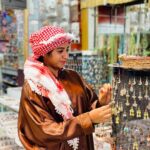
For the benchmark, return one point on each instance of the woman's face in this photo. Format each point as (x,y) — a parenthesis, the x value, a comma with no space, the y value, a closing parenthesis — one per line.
(58,57)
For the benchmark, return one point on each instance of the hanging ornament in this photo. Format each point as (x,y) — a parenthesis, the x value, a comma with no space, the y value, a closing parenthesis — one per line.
(138,113)
(140,95)
(146,94)
(146,81)
(135,145)
(140,82)
(127,101)
(134,82)
(131,112)
(146,116)
(134,104)
(117,119)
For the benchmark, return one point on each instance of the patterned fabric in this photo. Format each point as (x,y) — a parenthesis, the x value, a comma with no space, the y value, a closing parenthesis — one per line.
(47,39)
(44,83)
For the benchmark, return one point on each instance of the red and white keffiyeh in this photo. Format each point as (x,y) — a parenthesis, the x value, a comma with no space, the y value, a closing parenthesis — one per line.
(44,83)
(47,39)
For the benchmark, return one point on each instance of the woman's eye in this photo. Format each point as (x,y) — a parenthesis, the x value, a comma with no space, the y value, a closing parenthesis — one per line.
(60,51)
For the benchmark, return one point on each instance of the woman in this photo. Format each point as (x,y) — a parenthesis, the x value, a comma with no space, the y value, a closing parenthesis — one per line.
(58,109)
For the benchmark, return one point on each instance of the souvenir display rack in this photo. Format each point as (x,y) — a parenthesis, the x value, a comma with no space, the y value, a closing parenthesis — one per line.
(13,58)
(131,111)
(102,136)
(9,126)
(9,107)
(7,143)
(90,65)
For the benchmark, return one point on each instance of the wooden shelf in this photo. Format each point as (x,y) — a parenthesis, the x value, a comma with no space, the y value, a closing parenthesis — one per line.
(129,68)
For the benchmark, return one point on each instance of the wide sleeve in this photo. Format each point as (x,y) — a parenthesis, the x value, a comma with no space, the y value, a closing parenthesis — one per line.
(36,119)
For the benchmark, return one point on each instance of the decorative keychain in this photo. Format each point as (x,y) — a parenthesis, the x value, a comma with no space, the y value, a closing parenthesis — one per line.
(146,116)
(119,79)
(134,104)
(140,95)
(135,145)
(114,111)
(140,82)
(131,112)
(124,114)
(134,82)
(133,96)
(117,119)
(148,140)
(129,82)
(146,93)
(123,91)
(120,108)
(138,113)
(148,106)
(127,101)
(146,81)
(126,129)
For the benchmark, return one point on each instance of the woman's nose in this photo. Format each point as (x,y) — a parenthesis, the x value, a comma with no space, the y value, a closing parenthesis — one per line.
(65,55)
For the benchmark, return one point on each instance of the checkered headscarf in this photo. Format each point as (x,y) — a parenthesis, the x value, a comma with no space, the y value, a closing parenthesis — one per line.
(47,39)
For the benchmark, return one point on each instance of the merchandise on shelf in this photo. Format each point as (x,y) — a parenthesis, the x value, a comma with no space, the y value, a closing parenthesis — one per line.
(131,111)
(134,135)
(102,136)
(9,125)
(110,46)
(90,65)
(11,100)
(138,30)
(7,143)
(138,18)
(10,78)
(75,29)
(12,35)
(9,107)
(74,11)
(50,12)
(138,44)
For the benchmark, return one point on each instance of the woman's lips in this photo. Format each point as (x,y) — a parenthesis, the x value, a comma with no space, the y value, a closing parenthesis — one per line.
(63,62)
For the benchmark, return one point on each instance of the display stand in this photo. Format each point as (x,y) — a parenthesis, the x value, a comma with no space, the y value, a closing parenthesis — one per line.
(11,44)
(131,111)
(90,65)
(9,140)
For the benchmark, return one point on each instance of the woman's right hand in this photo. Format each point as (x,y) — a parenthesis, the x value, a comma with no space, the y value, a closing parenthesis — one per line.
(101,115)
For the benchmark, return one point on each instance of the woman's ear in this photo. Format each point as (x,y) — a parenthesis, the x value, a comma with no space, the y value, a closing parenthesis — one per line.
(46,58)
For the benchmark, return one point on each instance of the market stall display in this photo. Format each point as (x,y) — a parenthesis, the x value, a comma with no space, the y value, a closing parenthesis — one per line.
(90,65)
(131,111)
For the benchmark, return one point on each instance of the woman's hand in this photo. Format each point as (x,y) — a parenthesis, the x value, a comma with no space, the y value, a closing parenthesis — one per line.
(101,115)
(105,94)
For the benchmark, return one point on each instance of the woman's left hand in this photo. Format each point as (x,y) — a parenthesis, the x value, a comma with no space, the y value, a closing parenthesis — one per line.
(105,94)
